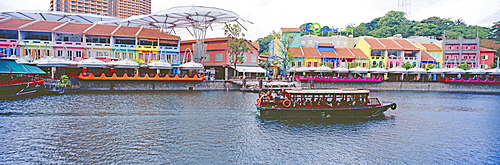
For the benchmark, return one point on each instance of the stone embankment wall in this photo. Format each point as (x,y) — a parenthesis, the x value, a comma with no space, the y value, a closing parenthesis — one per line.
(227,85)
(154,85)
(412,86)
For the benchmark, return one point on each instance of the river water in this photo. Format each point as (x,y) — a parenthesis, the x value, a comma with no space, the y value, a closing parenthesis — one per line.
(221,127)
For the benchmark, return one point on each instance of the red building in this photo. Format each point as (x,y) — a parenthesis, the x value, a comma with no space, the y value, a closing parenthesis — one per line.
(216,59)
(487,57)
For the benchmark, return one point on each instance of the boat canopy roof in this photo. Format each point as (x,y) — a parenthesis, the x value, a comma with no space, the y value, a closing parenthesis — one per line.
(328,91)
(10,66)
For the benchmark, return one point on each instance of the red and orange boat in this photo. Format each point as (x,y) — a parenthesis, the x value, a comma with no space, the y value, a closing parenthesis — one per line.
(136,77)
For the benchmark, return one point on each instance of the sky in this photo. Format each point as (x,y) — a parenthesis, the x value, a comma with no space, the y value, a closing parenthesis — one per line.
(271,15)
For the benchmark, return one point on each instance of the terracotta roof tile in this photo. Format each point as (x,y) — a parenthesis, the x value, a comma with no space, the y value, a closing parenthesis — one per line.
(295,52)
(14,24)
(358,53)
(431,47)
(100,29)
(486,50)
(310,52)
(325,44)
(77,28)
(156,33)
(328,54)
(290,29)
(43,26)
(350,53)
(344,53)
(426,56)
(390,44)
(126,31)
(256,45)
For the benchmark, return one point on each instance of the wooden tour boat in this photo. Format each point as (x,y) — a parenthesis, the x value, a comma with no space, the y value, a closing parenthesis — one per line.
(320,103)
(18,79)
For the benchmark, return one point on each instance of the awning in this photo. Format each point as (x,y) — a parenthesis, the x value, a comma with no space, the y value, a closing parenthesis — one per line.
(250,69)
(33,69)
(10,66)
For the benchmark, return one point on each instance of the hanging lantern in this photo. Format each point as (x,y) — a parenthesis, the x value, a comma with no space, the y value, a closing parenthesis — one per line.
(112,70)
(84,70)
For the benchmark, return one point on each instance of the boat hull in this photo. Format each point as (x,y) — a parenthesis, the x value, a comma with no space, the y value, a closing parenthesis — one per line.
(18,89)
(324,112)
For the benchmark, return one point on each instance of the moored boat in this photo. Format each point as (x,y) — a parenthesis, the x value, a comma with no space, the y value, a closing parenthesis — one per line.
(18,79)
(321,103)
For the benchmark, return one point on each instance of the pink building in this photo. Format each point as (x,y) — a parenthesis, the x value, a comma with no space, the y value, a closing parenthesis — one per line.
(68,41)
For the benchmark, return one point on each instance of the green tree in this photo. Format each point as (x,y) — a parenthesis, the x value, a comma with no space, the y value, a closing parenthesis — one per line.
(237,44)
(394,22)
(430,66)
(283,42)
(464,66)
(407,65)
(495,30)
(264,44)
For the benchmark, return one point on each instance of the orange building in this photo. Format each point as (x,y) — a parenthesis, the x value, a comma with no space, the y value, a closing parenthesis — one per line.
(115,8)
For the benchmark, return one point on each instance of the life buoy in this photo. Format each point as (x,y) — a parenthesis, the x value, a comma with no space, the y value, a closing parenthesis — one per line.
(394,106)
(259,101)
(287,103)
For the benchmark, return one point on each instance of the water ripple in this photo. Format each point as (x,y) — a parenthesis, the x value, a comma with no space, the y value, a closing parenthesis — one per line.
(219,127)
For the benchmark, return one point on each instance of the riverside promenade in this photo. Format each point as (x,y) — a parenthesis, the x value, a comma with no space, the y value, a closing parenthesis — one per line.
(237,85)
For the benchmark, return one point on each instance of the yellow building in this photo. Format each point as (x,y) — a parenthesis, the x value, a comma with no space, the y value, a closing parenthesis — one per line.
(435,51)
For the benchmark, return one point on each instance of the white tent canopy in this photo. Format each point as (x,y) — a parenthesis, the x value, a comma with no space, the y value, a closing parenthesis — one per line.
(250,69)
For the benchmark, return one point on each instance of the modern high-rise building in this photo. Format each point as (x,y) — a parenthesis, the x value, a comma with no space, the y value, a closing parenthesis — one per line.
(115,8)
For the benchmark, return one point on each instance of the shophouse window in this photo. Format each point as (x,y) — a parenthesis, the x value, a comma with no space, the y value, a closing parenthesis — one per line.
(78,53)
(244,59)
(207,57)
(60,53)
(378,52)
(484,57)
(254,58)
(218,57)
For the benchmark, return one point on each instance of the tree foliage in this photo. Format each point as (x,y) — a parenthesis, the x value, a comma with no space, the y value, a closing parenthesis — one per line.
(394,22)
(283,41)
(237,44)
(264,44)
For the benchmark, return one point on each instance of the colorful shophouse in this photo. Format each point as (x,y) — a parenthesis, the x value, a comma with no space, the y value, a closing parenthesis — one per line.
(388,52)
(9,37)
(327,53)
(432,55)
(487,57)
(124,43)
(35,39)
(217,60)
(466,50)
(98,41)
(68,41)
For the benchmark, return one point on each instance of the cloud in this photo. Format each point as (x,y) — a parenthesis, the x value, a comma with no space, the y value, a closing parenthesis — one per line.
(269,15)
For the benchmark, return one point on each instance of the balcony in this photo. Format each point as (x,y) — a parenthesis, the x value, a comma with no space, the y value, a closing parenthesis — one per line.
(124,47)
(146,47)
(8,42)
(36,43)
(68,44)
(98,45)
(169,48)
